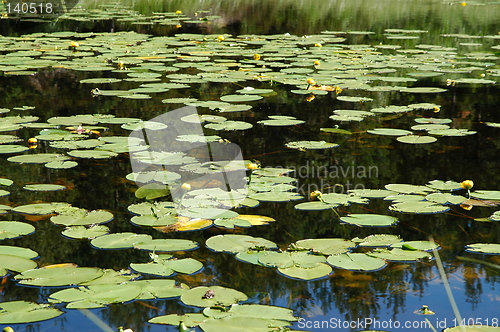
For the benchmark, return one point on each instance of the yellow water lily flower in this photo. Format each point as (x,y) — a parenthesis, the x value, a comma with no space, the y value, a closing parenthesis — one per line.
(32,140)
(253,166)
(310,98)
(467,184)
(178,26)
(74,44)
(186,186)
(315,194)
(464,4)
(220,38)
(311,81)
(436,109)
(317,63)
(178,12)
(256,56)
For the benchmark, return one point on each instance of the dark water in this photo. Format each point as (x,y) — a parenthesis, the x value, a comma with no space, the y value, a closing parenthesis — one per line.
(345,301)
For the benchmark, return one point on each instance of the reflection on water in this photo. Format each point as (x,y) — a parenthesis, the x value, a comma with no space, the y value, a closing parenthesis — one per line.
(346,300)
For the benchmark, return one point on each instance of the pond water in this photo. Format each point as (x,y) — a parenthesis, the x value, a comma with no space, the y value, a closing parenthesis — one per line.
(397,96)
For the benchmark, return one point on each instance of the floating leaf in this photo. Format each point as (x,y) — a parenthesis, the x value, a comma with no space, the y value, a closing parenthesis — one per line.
(60,276)
(408,188)
(278,120)
(119,240)
(229,125)
(320,271)
(18,312)
(389,132)
(400,255)
(218,295)
(15,263)
(81,217)
(10,148)
(326,246)
(240,98)
(483,248)
(423,90)
(94,154)
(356,262)
(377,240)
(168,267)
(377,220)
(486,194)
(96,296)
(40,158)
(419,207)
(81,232)
(445,198)
(166,245)
(294,258)
(13,229)
(415,139)
(234,243)
(310,145)
(43,187)
(452,132)
(442,185)
(190,320)
(416,245)
(42,208)
(315,206)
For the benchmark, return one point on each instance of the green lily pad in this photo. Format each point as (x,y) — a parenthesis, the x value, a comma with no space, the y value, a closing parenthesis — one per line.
(43,187)
(356,262)
(377,240)
(4,193)
(452,132)
(10,148)
(416,245)
(42,208)
(389,132)
(189,320)
(483,248)
(14,229)
(40,158)
(6,182)
(15,263)
(400,255)
(354,99)
(445,198)
(96,296)
(486,194)
(408,188)
(82,232)
(392,109)
(377,220)
(336,131)
(433,120)
(419,207)
(95,154)
(304,145)
(210,296)
(326,246)
(444,185)
(229,125)
(60,276)
(234,243)
(154,221)
(416,139)
(279,120)
(119,240)
(61,164)
(288,259)
(166,245)
(295,272)
(276,196)
(81,217)
(240,98)
(423,90)
(18,312)
(316,206)
(168,267)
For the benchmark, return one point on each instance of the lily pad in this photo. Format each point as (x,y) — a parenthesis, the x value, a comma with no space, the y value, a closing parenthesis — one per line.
(483,248)
(240,98)
(419,207)
(294,258)
(210,296)
(356,262)
(377,240)
(119,240)
(81,232)
(389,132)
(168,267)
(326,246)
(40,158)
(15,263)
(416,245)
(14,229)
(423,90)
(10,148)
(486,194)
(229,125)
(18,312)
(94,154)
(43,187)
(304,145)
(58,276)
(234,243)
(166,245)
(377,220)
(81,217)
(320,271)
(400,255)
(416,139)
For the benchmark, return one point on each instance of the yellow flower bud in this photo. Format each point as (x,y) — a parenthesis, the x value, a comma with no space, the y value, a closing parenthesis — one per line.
(310,98)
(318,45)
(178,26)
(467,184)
(317,63)
(220,38)
(464,3)
(252,166)
(436,109)
(178,12)
(256,56)
(32,140)
(186,186)
(311,81)
(315,194)
(74,44)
